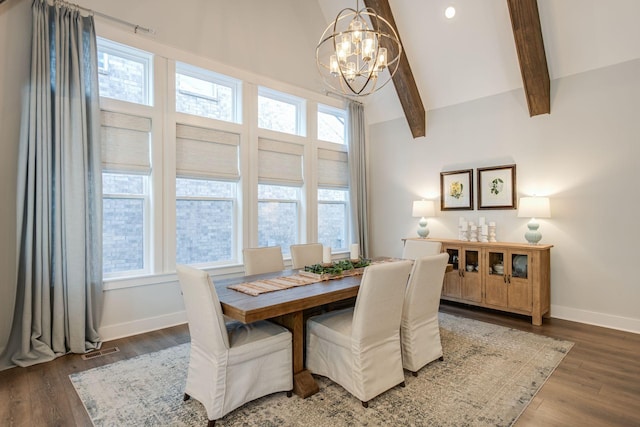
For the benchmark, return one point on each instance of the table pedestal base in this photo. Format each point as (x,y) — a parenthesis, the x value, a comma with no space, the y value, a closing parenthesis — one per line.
(304,385)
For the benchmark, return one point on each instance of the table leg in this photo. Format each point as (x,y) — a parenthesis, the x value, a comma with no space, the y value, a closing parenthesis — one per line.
(303,383)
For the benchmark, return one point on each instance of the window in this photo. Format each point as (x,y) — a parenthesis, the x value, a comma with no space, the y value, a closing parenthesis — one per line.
(281,112)
(124,73)
(278,216)
(332,124)
(333,196)
(126,167)
(193,212)
(333,218)
(124,206)
(206,195)
(205,221)
(207,94)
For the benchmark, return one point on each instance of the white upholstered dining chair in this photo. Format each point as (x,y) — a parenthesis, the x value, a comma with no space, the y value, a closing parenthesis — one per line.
(420,330)
(359,347)
(266,259)
(414,249)
(234,363)
(306,254)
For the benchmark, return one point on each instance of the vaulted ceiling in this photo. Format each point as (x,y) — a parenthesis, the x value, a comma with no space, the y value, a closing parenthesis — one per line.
(474,54)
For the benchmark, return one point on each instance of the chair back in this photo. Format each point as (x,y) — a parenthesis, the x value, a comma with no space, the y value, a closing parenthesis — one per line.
(204,312)
(378,308)
(262,260)
(414,249)
(306,254)
(422,297)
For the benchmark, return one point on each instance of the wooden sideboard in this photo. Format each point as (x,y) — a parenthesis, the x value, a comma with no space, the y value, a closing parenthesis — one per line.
(504,276)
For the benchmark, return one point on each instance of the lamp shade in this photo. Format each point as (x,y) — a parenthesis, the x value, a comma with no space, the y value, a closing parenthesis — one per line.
(423,209)
(534,207)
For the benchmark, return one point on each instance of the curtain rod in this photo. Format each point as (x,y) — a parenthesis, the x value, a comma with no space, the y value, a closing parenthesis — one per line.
(135,27)
(339,95)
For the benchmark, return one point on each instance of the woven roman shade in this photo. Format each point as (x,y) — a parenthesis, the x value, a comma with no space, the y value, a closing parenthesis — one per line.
(333,168)
(125,142)
(280,162)
(206,153)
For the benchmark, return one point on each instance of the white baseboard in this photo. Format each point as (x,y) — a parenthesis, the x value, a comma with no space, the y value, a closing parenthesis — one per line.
(627,324)
(121,330)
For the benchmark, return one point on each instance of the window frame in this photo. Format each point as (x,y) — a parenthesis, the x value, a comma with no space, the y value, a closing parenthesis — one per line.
(217,79)
(131,53)
(337,112)
(347,204)
(298,203)
(235,232)
(300,105)
(146,227)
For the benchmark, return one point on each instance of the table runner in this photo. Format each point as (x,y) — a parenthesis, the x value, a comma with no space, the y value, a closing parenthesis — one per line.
(258,287)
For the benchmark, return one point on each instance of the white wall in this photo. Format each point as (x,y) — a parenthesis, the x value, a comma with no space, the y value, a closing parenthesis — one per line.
(585,156)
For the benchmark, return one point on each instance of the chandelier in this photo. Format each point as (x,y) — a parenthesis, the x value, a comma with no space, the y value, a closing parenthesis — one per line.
(353,52)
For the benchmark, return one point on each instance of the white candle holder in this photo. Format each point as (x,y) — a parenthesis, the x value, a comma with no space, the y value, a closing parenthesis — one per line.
(492,232)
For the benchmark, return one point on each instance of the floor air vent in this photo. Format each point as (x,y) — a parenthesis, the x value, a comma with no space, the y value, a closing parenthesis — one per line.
(99,353)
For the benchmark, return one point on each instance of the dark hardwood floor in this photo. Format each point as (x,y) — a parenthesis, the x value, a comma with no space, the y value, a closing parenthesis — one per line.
(597,384)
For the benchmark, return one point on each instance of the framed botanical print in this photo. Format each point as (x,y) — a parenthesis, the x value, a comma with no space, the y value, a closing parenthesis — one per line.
(497,187)
(456,190)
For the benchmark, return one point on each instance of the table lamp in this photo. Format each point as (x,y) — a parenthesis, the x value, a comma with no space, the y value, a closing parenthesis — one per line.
(534,207)
(423,209)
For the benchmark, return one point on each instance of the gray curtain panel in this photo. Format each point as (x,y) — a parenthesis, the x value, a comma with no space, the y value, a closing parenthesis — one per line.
(357,176)
(59,285)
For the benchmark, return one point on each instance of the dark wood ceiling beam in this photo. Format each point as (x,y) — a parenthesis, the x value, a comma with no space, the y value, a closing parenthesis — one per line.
(403,79)
(527,33)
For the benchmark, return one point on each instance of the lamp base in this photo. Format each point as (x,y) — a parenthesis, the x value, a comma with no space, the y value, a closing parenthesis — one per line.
(423,231)
(533,236)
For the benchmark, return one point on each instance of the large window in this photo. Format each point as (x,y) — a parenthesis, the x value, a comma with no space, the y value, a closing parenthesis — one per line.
(207,94)
(179,165)
(124,73)
(125,205)
(206,195)
(333,218)
(281,112)
(205,221)
(332,124)
(278,216)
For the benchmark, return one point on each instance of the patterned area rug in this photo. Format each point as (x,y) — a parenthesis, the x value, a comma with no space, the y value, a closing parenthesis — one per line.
(489,376)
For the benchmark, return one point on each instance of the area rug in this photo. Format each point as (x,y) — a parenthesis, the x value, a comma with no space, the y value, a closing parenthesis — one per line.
(489,376)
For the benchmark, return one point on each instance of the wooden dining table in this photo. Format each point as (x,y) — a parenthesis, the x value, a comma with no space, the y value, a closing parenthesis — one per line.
(286,307)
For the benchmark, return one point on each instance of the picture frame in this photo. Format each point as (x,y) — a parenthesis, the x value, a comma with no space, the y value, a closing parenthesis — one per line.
(497,187)
(456,190)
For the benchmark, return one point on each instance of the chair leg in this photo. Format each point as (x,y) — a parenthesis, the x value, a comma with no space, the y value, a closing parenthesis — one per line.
(441,358)
(403,384)
(186,397)
(211,423)
(289,393)
(415,374)
(365,404)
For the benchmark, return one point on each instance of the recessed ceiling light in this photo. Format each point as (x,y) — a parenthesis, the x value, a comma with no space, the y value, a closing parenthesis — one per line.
(450,12)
